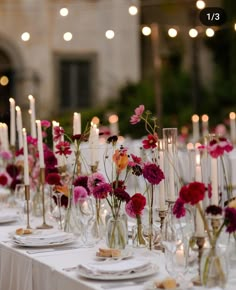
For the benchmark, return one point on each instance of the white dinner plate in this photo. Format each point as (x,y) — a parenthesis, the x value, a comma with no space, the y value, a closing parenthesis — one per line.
(108,277)
(36,240)
(125,254)
(8,219)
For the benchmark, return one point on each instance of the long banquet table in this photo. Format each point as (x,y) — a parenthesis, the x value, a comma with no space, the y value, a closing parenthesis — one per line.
(21,270)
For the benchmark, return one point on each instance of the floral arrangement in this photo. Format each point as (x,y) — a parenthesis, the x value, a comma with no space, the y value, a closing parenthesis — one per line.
(221,218)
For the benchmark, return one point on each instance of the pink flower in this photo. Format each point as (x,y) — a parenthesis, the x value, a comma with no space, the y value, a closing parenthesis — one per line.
(58,133)
(137,116)
(6,155)
(80,194)
(153,173)
(45,123)
(135,160)
(94,180)
(101,191)
(63,148)
(150,142)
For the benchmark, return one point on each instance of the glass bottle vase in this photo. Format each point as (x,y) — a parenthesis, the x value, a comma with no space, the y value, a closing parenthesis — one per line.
(116,232)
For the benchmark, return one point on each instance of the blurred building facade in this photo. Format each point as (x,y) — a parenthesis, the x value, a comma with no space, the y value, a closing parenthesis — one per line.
(66,75)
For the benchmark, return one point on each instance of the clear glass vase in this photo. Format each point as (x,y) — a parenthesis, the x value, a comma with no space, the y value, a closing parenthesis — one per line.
(117,232)
(214,268)
(138,235)
(37,202)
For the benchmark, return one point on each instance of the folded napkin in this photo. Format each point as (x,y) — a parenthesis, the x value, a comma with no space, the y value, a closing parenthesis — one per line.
(118,268)
(43,239)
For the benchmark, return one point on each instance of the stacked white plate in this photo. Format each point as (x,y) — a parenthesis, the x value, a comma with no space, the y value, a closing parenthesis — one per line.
(43,239)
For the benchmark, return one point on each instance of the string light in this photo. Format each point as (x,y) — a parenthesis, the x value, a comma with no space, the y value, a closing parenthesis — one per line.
(146,30)
(200,4)
(133,10)
(64,11)
(4,80)
(193,32)
(110,34)
(25,36)
(172,32)
(210,32)
(67,36)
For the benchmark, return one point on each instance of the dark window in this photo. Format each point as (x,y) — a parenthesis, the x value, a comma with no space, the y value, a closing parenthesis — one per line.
(75,83)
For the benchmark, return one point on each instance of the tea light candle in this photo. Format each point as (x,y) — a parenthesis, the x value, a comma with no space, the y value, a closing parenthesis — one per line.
(26,163)
(19,126)
(77,124)
(32,115)
(232,117)
(12,122)
(40,144)
(196,134)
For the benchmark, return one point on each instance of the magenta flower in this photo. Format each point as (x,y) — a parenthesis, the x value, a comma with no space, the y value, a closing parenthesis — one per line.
(58,133)
(45,123)
(137,116)
(101,191)
(153,173)
(80,194)
(230,219)
(179,209)
(94,180)
(150,142)
(135,160)
(63,148)
(31,140)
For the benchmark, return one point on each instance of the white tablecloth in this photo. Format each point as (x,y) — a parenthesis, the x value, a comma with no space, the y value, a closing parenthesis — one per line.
(20,270)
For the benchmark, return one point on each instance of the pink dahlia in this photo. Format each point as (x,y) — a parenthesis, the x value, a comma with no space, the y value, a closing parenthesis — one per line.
(80,194)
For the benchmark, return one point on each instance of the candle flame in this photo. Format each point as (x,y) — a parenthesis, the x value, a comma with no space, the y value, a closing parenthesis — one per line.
(12,101)
(205,118)
(232,115)
(30,97)
(18,108)
(113,119)
(190,146)
(195,118)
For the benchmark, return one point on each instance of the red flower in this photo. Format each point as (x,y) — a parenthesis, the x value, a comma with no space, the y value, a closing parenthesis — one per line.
(179,209)
(230,219)
(3,179)
(53,179)
(101,191)
(137,204)
(58,133)
(45,123)
(63,148)
(217,147)
(192,193)
(150,142)
(153,173)
(135,160)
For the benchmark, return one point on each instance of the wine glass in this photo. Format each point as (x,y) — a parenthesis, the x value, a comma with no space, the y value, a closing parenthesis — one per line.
(19,197)
(85,216)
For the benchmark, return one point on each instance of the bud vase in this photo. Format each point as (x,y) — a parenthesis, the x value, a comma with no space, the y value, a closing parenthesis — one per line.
(138,234)
(214,268)
(117,232)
